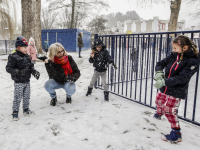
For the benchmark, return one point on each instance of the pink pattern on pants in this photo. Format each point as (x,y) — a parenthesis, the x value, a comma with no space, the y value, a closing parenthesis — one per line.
(168,106)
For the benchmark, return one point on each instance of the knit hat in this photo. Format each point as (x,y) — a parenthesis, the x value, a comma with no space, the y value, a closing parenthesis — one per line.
(21,41)
(98,42)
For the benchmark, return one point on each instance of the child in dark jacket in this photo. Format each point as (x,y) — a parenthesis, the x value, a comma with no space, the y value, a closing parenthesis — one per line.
(20,67)
(99,57)
(179,66)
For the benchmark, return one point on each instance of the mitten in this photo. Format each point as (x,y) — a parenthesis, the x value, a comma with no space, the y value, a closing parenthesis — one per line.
(41,57)
(36,74)
(159,84)
(159,75)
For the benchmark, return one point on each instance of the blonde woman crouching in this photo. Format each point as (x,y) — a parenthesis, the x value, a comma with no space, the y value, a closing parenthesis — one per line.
(62,70)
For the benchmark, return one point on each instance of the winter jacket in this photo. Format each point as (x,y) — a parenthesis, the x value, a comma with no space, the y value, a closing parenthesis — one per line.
(31,51)
(56,72)
(45,45)
(178,73)
(100,60)
(16,62)
(80,41)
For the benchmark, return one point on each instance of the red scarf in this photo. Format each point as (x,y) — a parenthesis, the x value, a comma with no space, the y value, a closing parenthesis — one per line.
(64,62)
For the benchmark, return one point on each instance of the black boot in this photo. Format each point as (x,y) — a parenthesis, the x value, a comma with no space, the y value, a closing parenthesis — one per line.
(53,101)
(89,91)
(69,100)
(106,95)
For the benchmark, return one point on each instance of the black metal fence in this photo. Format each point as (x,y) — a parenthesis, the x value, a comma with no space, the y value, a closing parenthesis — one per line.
(7,46)
(135,56)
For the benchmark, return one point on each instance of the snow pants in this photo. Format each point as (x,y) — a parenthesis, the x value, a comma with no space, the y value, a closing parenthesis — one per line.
(22,90)
(103,78)
(168,106)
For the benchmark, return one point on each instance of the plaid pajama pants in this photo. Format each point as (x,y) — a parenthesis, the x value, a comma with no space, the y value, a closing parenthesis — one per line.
(168,106)
(22,90)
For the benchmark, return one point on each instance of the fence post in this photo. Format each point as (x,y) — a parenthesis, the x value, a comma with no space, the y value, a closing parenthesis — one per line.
(112,55)
(95,36)
(6,46)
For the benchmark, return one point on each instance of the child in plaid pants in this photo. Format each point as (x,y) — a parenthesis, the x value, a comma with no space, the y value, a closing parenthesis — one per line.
(179,66)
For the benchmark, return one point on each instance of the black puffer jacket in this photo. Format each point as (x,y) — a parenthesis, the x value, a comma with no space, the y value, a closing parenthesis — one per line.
(56,72)
(178,73)
(100,60)
(18,61)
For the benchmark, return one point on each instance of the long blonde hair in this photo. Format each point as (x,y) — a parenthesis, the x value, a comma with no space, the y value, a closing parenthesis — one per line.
(53,49)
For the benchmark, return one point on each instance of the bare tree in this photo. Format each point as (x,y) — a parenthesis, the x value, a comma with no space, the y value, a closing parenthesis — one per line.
(97,25)
(8,18)
(196,13)
(74,4)
(48,19)
(37,25)
(27,18)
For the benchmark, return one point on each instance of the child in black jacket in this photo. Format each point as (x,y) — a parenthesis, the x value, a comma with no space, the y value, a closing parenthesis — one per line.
(20,67)
(99,57)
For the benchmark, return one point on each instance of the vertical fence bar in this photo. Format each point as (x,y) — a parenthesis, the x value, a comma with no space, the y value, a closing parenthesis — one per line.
(138,42)
(119,63)
(112,55)
(132,68)
(147,75)
(6,46)
(123,63)
(141,66)
(115,60)
(127,58)
(160,47)
(153,69)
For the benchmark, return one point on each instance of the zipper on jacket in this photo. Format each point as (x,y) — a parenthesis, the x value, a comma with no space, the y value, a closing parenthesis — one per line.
(171,71)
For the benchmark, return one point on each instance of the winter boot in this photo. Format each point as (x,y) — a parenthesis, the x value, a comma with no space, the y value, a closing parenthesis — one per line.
(174,137)
(27,112)
(15,116)
(53,101)
(156,116)
(89,91)
(69,100)
(106,95)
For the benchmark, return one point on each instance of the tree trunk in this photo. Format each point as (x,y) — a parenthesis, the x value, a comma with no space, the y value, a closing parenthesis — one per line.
(175,8)
(72,15)
(27,18)
(37,26)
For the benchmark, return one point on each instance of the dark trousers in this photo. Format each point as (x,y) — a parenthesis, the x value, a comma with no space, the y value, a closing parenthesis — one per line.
(80,51)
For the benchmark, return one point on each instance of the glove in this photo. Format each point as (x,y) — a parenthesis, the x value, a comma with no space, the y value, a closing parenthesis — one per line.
(41,57)
(70,78)
(21,72)
(113,64)
(159,84)
(36,74)
(159,75)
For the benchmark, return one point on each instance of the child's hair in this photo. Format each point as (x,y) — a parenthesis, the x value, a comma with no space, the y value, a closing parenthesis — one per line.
(183,41)
(53,49)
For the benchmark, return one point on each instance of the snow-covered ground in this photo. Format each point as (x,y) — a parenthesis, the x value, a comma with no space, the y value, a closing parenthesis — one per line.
(88,123)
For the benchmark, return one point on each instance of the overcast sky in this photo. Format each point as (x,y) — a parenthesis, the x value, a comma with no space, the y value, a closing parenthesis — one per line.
(160,10)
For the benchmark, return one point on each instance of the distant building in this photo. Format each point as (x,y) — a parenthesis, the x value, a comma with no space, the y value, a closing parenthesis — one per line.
(145,26)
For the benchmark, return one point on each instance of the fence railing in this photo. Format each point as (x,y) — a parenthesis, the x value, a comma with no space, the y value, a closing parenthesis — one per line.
(7,46)
(136,56)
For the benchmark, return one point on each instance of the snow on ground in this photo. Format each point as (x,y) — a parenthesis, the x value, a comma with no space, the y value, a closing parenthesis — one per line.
(88,123)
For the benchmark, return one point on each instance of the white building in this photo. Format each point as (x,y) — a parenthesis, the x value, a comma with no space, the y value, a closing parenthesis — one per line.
(146,26)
